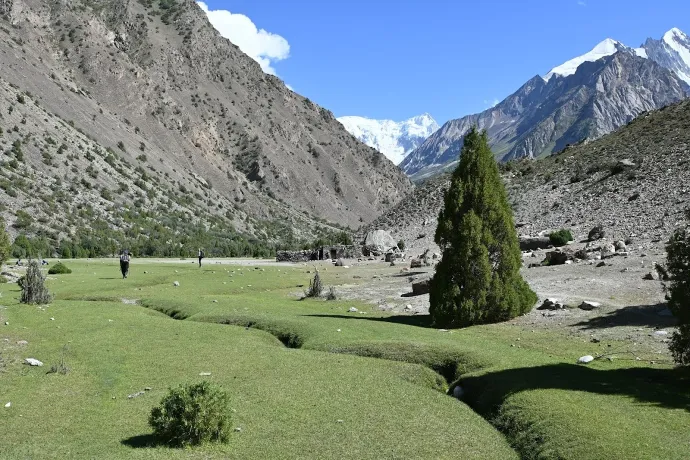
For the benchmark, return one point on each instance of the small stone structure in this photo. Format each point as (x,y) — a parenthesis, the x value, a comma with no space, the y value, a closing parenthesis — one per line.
(339,251)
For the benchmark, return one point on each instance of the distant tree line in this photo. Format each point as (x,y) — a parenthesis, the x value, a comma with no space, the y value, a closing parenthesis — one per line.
(152,239)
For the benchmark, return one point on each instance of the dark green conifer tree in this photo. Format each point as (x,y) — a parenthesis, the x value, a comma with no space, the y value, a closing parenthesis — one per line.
(478,279)
(678,260)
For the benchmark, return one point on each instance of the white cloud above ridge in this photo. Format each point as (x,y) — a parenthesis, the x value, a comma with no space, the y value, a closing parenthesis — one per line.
(264,47)
(489,104)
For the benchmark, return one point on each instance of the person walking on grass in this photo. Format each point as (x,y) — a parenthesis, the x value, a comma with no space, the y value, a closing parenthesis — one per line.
(124,263)
(201,256)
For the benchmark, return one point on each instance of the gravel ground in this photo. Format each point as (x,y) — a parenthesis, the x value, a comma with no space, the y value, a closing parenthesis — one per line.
(631,320)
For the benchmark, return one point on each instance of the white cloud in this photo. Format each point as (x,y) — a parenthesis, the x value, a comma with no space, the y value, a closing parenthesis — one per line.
(264,47)
(582,3)
(490,104)
(290,87)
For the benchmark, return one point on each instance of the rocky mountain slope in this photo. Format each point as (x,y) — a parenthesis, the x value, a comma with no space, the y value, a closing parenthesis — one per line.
(394,139)
(582,99)
(141,107)
(634,182)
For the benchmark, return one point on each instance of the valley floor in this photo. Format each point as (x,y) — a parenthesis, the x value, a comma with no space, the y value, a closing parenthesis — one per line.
(328,379)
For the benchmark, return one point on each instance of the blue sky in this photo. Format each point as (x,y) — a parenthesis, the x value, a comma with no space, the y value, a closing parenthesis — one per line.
(397,59)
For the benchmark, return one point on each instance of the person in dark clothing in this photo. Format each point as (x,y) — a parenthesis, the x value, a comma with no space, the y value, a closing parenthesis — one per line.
(201,256)
(124,263)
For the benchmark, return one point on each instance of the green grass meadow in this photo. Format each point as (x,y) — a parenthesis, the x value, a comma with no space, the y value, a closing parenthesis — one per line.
(308,379)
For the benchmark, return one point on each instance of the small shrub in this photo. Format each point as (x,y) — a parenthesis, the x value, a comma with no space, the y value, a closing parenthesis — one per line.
(401,245)
(33,286)
(59,269)
(332,295)
(315,287)
(560,237)
(191,415)
(3,280)
(60,367)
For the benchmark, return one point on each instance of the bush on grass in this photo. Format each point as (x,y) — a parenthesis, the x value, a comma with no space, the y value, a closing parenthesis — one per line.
(59,269)
(33,286)
(191,415)
(315,287)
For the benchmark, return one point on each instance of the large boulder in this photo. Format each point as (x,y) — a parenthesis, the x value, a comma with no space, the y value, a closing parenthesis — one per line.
(596,233)
(558,257)
(379,242)
(421,287)
(534,243)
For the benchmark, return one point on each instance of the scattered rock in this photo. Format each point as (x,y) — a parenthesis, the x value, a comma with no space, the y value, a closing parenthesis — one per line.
(558,257)
(589,305)
(22,342)
(582,254)
(551,304)
(596,233)
(204,374)
(608,250)
(33,362)
(421,287)
(339,263)
(238,429)
(660,333)
(176,283)
(458,392)
(620,246)
(135,395)
(601,264)
(534,243)
(415,263)
(353,310)
(9,404)
(651,276)
(585,359)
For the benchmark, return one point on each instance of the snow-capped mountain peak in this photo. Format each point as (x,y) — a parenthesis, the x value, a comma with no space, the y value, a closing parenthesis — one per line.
(603,49)
(678,44)
(394,139)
